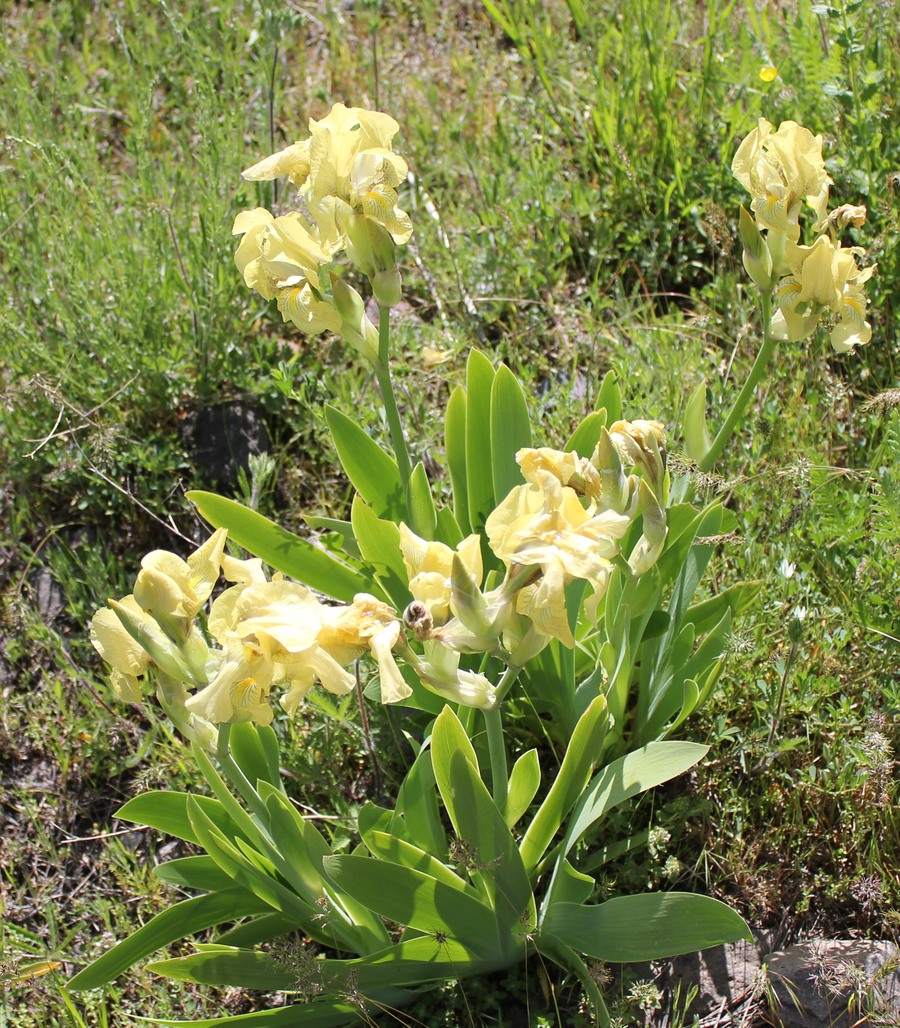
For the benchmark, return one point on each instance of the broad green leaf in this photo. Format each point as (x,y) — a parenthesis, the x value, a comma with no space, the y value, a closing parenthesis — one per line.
(420,502)
(258,929)
(317,1014)
(386,846)
(550,947)
(704,615)
(585,438)
(584,750)
(301,846)
(448,530)
(523,785)
(697,440)
(510,431)
(373,818)
(229,967)
(177,922)
(248,828)
(412,898)
(626,777)
(571,886)
(657,624)
(281,549)
(455,448)
(448,737)
(479,474)
(662,695)
(371,470)
(250,873)
(685,525)
(497,864)
(651,926)
(254,748)
(614,850)
(417,807)
(201,873)
(379,543)
(425,958)
(691,696)
(610,397)
(167,812)
(337,527)
(298,856)
(493,860)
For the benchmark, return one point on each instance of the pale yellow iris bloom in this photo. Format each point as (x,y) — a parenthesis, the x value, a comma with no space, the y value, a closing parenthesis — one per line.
(269,632)
(240,687)
(643,444)
(544,525)
(128,659)
(824,277)
(780,170)
(572,470)
(155,625)
(367,624)
(346,166)
(440,672)
(429,566)
(282,259)
(174,590)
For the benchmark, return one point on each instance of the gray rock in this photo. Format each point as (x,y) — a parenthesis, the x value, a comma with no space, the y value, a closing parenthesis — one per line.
(713,982)
(49,597)
(221,439)
(836,983)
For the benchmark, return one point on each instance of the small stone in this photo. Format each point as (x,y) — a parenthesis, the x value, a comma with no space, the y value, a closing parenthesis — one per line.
(221,439)
(723,978)
(48,595)
(835,983)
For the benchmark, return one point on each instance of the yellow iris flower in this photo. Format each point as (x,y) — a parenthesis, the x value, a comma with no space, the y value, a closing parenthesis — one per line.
(429,567)
(780,169)
(544,525)
(174,590)
(269,632)
(572,470)
(282,259)
(128,659)
(367,624)
(346,166)
(824,276)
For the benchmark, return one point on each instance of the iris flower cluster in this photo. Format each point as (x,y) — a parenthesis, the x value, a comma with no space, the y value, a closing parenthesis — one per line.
(346,176)
(784,172)
(567,521)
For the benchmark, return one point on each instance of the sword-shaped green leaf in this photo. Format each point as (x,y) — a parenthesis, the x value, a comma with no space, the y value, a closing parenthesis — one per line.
(281,549)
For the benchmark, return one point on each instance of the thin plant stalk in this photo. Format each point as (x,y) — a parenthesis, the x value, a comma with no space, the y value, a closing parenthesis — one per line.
(493,722)
(740,404)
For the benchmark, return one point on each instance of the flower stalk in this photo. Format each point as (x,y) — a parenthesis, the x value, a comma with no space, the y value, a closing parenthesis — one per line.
(738,408)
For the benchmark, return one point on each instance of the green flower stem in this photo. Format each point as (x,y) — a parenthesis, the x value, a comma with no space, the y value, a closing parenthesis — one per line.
(386,385)
(744,396)
(493,722)
(236,776)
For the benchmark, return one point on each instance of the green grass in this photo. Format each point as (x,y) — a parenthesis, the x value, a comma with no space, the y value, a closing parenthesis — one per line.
(574,212)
